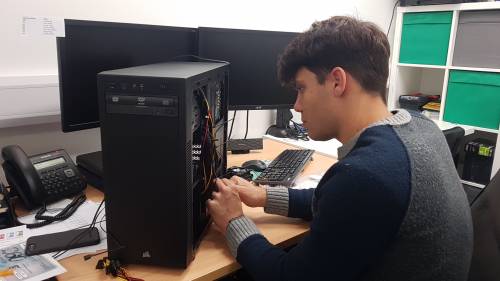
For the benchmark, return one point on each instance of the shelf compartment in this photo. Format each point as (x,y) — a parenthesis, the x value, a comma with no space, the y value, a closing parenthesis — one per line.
(425,38)
(475,43)
(428,81)
(473,98)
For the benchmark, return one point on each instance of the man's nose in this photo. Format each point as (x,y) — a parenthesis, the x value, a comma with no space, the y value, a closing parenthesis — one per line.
(297,106)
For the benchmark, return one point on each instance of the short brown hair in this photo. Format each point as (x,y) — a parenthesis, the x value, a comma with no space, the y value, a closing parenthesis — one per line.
(359,47)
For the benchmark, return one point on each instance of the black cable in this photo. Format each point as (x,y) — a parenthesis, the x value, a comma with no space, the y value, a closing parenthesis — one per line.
(298,131)
(246,130)
(87,257)
(100,224)
(69,210)
(79,236)
(76,201)
(220,126)
(86,225)
(392,17)
(232,123)
(212,150)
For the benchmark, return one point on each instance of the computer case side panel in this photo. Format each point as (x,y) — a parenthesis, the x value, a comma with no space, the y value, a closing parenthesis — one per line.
(209,94)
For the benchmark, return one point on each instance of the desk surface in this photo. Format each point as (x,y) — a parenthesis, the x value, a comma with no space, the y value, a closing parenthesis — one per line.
(327,148)
(212,259)
(330,147)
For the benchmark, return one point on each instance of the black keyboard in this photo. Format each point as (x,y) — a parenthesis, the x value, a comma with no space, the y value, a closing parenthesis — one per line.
(285,167)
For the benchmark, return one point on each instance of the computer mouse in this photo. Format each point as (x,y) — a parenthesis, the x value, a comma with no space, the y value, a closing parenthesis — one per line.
(255,165)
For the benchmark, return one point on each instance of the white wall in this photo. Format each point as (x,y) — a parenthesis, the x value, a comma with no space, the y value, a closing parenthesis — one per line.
(25,55)
(28,57)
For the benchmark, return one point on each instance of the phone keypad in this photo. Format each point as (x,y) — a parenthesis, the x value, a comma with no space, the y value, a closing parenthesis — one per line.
(61,181)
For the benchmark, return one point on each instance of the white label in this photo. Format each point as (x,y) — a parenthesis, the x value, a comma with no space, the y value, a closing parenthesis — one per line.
(36,26)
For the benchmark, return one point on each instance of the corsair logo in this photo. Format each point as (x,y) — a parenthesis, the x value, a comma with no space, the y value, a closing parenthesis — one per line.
(146,254)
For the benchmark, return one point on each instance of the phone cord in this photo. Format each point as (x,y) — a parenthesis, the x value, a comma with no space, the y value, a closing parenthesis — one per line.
(69,210)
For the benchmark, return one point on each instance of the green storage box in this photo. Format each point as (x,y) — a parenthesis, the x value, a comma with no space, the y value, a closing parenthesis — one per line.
(473,98)
(425,38)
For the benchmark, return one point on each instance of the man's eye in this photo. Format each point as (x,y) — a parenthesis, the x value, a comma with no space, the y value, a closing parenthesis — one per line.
(299,89)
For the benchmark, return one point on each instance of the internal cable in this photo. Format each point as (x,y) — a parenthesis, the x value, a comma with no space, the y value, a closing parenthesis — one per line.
(221,126)
(211,146)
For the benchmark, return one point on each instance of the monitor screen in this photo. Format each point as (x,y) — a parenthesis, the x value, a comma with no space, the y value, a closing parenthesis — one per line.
(90,47)
(253,81)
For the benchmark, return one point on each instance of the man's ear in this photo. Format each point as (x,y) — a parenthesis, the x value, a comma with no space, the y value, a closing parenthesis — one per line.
(338,80)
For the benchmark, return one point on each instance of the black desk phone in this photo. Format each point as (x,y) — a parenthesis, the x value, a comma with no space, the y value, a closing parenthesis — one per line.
(43,178)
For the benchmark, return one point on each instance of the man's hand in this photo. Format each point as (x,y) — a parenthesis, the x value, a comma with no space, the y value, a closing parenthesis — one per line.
(250,194)
(224,206)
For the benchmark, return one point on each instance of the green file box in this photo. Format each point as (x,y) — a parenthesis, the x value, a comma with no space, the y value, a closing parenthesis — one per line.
(425,38)
(473,98)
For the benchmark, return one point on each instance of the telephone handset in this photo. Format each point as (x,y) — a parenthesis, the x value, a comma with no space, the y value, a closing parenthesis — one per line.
(42,178)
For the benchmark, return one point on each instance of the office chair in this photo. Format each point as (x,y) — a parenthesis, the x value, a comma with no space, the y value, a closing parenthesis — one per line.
(453,137)
(485,210)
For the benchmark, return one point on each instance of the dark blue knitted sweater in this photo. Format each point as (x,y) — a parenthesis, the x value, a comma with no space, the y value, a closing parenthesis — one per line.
(392,209)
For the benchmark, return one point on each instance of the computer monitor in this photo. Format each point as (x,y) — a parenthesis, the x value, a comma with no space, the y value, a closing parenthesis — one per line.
(90,47)
(253,81)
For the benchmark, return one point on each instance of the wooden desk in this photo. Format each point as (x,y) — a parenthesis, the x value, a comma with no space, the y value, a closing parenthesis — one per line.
(212,259)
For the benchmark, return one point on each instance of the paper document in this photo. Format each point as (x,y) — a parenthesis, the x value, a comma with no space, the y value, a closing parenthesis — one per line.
(26,268)
(305,182)
(12,245)
(80,219)
(37,26)
(13,235)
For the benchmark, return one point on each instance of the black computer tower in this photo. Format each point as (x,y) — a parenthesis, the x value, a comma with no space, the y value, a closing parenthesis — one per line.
(163,129)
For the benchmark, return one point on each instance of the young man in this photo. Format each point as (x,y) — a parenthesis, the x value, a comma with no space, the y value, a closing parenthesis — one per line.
(391,208)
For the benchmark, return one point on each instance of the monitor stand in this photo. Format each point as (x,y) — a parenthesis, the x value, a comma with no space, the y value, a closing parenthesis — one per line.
(90,165)
(281,129)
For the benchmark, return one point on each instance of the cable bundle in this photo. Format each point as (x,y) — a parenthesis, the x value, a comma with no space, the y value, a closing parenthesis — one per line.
(115,268)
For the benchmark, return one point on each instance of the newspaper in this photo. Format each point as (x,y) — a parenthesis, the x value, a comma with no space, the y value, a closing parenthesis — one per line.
(28,268)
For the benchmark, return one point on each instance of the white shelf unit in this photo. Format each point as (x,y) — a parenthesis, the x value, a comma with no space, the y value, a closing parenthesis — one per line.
(408,78)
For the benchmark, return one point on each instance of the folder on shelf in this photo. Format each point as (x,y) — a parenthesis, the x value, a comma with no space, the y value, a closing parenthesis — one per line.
(432,106)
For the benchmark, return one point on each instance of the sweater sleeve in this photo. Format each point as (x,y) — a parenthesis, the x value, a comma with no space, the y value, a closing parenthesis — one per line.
(289,202)
(355,222)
